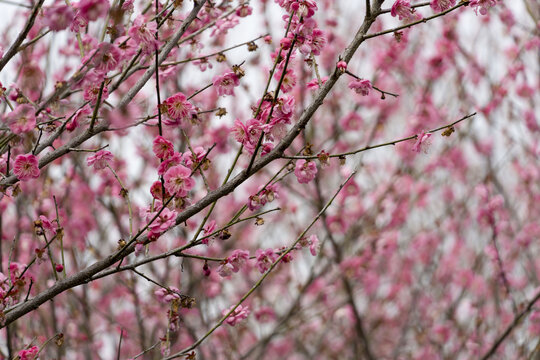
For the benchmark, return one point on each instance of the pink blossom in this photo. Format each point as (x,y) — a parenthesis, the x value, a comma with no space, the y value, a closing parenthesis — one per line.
(441,5)
(226,83)
(28,354)
(107,58)
(167,295)
(92,10)
(341,66)
(91,93)
(265,258)
(225,269)
(22,119)
(305,171)
(289,80)
(178,180)
(168,163)
(100,159)
(239,314)
(244,11)
(74,122)
(58,17)
(143,33)
(314,84)
(482,6)
(26,167)
(178,109)
(402,9)
(238,259)
(162,147)
(163,222)
(360,86)
(313,244)
(421,142)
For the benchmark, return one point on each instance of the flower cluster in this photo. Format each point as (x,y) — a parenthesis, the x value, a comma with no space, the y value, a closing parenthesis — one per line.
(233,263)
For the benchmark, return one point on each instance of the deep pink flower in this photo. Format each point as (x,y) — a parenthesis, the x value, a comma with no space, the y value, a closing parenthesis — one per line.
(402,9)
(305,171)
(441,5)
(265,258)
(28,354)
(239,314)
(162,147)
(22,119)
(341,66)
(92,10)
(178,180)
(482,6)
(74,122)
(244,11)
(99,160)
(178,109)
(171,161)
(360,86)
(26,167)
(240,131)
(226,83)
(421,142)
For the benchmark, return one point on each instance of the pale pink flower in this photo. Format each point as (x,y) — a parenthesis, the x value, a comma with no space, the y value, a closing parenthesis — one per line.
(265,258)
(107,58)
(99,160)
(244,11)
(74,122)
(239,314)
(225,270)
(226,83)
(22,119)
(441,5)
(162,147)
(178,109)
(164,221)
(167,295)
(360,86)
(178,180)
(421,142)
(482,6)
(305,171)
(313,244)
(26,167)
(143,33)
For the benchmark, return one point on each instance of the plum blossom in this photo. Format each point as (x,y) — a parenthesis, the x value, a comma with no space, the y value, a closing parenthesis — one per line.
(403,10)
(28,354)
(265,258)
(143,33)
(305,171)
(238,259)
(91,93)
(26,167)
(239,314)
(421,142)
(22,119)
(163,222)
(482,6)
(178,180)
(100,160)
(58,17)
(226,83)
(442,5)
(162,147)
(178,109)
(91,10)
(167,295)
(360,86)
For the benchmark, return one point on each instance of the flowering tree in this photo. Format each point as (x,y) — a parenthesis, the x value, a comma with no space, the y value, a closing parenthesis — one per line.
(263,180)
